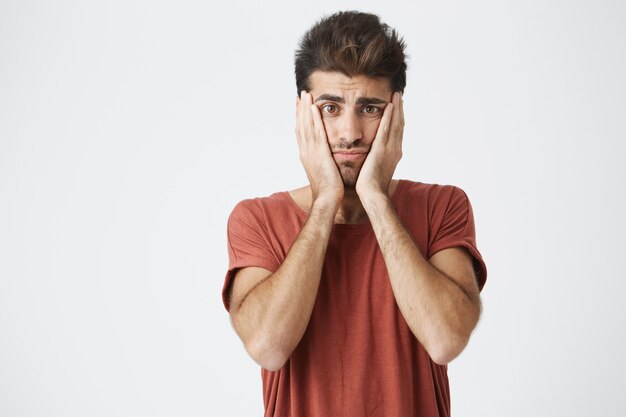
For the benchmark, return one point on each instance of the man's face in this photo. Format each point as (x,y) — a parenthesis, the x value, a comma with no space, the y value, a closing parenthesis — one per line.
(351,108)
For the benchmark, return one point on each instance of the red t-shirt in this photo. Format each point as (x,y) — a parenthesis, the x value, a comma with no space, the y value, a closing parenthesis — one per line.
(358,356)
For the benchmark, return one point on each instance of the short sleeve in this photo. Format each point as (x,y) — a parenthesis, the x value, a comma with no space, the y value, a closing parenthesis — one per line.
(248,244)
(457,229)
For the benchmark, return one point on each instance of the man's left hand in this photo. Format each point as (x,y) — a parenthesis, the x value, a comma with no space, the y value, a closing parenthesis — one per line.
(385,152)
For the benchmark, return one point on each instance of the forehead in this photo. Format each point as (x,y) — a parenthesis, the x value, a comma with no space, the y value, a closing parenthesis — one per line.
(338,84)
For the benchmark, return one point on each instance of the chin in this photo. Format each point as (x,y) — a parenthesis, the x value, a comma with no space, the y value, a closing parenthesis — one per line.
(349,175)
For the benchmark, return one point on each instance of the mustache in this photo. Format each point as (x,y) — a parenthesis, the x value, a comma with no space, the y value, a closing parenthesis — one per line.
(350,147)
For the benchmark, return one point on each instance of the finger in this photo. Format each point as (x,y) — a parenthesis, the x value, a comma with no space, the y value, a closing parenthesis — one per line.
(304,123)
(298,117)
(301,98)
(397,115)
(397,120)
(399,131)
(307,117)
(400,110)
(318,124)
(297,108)
(382,134)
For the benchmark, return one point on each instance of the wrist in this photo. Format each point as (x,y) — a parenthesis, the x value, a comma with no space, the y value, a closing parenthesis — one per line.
(371,199)
(325,206)
(370,192)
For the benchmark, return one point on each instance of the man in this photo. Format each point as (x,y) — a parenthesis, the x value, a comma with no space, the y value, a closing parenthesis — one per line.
(354,292)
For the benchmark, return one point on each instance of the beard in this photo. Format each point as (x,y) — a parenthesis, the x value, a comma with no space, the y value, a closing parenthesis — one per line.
(349,172)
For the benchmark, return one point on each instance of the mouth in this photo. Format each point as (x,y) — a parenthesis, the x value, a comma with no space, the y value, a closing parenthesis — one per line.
(349,155)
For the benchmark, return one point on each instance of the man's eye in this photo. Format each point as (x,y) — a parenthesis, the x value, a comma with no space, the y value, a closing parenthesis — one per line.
(329,108)
(371,109)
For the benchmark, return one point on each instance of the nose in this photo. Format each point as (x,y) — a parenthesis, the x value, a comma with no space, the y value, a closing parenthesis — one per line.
(350,128)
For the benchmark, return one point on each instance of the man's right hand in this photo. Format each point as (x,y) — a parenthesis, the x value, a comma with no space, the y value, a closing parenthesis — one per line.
(271,310)
(315,155)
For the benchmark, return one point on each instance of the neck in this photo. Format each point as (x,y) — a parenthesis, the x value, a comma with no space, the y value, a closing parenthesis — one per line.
(350,210)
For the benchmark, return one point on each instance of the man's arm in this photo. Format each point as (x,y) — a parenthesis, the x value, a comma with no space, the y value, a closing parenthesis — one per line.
(271,311)
(439,299)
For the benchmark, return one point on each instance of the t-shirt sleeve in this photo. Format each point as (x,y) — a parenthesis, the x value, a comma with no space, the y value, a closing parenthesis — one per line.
(457,229)
(248,244)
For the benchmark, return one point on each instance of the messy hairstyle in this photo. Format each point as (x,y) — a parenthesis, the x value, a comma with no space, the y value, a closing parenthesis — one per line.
(352,43)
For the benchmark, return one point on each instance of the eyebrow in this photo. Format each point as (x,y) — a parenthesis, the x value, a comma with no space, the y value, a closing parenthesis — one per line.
(330,97)
(361,101)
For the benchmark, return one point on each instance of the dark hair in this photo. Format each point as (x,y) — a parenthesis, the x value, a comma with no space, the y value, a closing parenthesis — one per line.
(352,43)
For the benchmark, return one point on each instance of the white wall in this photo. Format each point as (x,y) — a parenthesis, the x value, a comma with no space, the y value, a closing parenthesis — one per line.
(129,129)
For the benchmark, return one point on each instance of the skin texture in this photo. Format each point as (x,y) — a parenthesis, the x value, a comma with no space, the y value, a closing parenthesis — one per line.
(349,132)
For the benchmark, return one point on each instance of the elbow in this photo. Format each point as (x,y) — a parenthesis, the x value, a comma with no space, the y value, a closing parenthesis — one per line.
(447,344)
(446,348)
(268,355)
(267,347)
(443,355)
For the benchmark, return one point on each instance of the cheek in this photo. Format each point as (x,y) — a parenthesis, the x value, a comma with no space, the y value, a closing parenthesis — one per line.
(370,127)
(330,126)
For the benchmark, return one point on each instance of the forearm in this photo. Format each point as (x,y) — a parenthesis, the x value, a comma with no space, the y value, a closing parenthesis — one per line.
(438,311)
(273,316)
